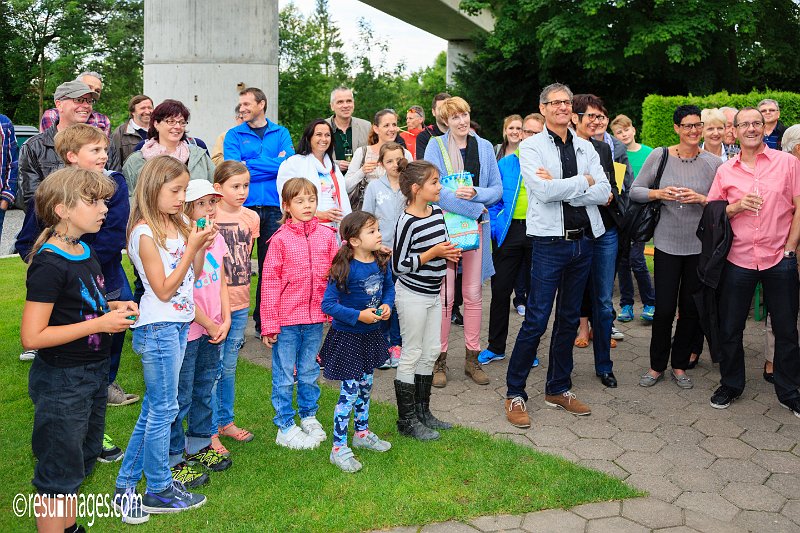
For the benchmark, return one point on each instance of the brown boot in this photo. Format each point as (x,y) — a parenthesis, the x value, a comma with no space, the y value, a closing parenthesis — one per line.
(440,371)
(473,369)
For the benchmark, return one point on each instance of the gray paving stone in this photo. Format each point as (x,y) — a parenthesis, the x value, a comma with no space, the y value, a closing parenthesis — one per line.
(778,462)
(691,456)
(767,440)
(596,449)
(792,511)
(708,503)
(716,427)
(740,470)
(678,529)
(603,465)
(633,422)
(753,497)
(697,480)
(761,521)
(448,527)
(614,524)
(786,484)
(554,520)
(643,463)
(652,513)
(597,510)
(502,522)
(657,486)
(638,441)
(707,524)
(683,435)
(559,452)
(553,436)
(727,447)
(592,429)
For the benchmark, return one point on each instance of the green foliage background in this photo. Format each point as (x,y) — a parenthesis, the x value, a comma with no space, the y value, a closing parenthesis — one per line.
(657,111)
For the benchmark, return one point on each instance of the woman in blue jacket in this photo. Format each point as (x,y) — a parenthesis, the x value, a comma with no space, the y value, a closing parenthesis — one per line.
(461,150)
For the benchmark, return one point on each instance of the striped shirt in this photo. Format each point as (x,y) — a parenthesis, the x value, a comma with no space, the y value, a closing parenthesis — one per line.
(413,237)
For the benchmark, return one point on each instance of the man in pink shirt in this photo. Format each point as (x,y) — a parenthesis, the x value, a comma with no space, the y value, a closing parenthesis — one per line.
(762,188)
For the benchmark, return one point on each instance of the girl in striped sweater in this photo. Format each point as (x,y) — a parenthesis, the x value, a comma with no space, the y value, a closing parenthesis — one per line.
(421,250)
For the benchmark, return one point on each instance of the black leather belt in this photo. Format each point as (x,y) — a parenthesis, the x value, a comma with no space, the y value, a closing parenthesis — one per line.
(574,234)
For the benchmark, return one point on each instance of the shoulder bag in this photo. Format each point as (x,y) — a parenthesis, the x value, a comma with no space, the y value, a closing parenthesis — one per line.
(641,218)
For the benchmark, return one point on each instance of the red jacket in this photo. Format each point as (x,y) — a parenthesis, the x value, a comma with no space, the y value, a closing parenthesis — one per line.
(295,275)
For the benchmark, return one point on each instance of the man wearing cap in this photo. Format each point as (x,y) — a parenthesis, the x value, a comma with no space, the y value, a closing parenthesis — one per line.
(98,120)
(37,157)
(415,121)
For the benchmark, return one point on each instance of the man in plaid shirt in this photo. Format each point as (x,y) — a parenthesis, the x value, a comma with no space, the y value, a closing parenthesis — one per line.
(98,120)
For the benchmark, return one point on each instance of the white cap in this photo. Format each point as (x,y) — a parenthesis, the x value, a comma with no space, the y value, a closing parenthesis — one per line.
(198,189)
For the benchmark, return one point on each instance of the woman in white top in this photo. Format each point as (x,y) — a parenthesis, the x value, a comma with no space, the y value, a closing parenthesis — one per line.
(713,132)
(314,161)
(364,166)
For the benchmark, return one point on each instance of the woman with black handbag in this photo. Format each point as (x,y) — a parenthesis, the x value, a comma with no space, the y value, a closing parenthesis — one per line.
(685,180)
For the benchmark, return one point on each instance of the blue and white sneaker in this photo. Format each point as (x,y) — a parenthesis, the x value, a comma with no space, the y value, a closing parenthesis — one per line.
(648,313)
(626,314)
(129,506)
(173,500)
(487,356)
(535,362)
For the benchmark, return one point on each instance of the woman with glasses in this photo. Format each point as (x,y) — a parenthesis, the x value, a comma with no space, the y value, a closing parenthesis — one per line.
(364,167)
(512,135)
(167,135)
(685,181)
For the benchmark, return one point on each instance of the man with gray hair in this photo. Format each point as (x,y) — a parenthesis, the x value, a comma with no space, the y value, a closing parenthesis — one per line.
(349,132)
(98,120)
(729,140)
(773,128)
(565,183)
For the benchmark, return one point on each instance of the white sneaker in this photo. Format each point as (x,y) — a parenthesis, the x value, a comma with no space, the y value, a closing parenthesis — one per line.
(295,439)
(616,334)
(311,427)
(521,310)
(28,355)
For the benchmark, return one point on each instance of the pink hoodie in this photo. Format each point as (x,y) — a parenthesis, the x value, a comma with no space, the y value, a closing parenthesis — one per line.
(295,275)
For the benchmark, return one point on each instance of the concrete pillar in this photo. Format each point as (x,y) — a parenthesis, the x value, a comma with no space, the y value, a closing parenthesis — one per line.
(457,51)
(202,52)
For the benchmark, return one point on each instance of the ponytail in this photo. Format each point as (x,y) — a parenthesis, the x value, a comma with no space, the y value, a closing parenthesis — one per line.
(43,236)
(340,266)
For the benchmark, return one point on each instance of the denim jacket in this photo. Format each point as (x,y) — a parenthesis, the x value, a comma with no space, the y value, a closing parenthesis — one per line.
(545,213)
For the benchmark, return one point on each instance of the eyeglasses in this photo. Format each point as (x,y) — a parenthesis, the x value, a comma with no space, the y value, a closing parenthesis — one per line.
(592,117)
(559,103)
(83,100)
(172,122)
(770,110)
(689,127)
(757,124)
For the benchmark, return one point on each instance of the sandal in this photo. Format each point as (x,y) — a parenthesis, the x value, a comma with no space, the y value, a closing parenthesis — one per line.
(613,343)
(236,433)
(580,342)
(218,447)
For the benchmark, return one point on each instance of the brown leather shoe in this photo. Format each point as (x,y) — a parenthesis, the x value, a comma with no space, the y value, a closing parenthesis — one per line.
(517,412)
(440,371)
(473,369)
(568,402)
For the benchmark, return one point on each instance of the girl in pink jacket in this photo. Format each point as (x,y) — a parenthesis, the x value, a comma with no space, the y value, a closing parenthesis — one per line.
(292,285)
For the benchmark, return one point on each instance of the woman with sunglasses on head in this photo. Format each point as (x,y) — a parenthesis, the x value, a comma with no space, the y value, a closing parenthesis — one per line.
(167,136)
(685,181)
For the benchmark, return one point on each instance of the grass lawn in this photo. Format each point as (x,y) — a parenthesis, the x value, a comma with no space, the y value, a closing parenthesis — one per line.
(465,474)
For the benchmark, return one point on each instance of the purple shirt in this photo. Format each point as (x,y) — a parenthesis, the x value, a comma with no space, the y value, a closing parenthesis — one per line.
(98,120)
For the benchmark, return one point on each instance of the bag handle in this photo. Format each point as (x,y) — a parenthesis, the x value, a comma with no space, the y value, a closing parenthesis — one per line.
(661,166)
(448,165)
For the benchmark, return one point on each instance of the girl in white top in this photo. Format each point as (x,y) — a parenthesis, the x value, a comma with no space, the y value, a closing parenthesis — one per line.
(314,161)
(365,158)
(162,245)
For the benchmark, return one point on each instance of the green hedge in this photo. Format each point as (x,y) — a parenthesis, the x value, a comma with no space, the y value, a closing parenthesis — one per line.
(657,111)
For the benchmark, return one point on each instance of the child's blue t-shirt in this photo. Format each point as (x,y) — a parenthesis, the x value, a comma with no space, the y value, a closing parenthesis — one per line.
(367,287)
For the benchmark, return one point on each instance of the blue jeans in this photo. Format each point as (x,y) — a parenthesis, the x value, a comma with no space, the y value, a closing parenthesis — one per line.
(197,375)
(391,327)
(161,346)
(558,265)
(223,392)
(634,261)
(602,293)
(118,339)
(297,347)
(270,217)
(2,219)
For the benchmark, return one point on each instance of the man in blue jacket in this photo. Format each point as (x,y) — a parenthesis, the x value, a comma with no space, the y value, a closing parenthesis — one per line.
(262,146)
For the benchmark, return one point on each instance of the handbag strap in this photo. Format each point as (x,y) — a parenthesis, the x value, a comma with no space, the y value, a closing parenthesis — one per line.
(336,186)
(448,165)
(661,166)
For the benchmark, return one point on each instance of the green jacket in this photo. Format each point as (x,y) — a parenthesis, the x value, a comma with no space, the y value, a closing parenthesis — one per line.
(200,167)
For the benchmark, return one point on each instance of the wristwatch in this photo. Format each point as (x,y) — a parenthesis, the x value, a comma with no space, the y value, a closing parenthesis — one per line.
(788,253)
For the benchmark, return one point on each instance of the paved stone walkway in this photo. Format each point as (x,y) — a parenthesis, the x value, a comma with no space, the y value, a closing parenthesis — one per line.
(705,469)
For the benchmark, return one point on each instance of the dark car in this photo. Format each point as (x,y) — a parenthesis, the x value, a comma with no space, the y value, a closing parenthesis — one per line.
(23,133)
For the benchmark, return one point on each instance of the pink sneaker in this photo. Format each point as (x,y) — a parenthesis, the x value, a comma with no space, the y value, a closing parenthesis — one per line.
(394,355)
(218,447)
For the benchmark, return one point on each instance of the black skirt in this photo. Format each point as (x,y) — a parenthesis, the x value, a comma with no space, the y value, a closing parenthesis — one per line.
(349,355)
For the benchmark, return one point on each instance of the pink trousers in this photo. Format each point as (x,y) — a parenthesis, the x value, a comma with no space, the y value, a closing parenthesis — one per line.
(473,300)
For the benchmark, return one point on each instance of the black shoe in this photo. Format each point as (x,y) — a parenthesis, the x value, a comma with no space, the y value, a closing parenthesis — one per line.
(723,397)
(422,398)
(608,380)
(408,424)
(693,364)
(793,406)
(456,317)
(769,377)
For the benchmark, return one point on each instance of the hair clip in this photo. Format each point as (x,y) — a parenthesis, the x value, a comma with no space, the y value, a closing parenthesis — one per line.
(344,242)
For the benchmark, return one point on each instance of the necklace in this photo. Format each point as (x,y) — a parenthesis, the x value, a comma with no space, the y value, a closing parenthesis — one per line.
(687,159)
(66,238)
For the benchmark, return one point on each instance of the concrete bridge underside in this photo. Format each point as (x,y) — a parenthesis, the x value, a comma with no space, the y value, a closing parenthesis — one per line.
(202,52)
